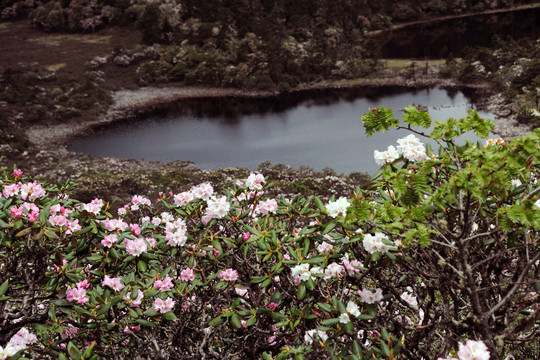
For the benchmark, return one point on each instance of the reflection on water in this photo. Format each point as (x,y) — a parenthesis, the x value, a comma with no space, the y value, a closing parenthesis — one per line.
(316,129)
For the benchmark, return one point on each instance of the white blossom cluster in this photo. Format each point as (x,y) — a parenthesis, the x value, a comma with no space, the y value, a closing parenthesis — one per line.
(410,147)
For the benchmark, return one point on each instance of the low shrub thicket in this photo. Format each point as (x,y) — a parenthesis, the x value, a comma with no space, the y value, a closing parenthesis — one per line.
(439,258)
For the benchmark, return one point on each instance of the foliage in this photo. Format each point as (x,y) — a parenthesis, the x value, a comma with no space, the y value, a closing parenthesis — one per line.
(443,248)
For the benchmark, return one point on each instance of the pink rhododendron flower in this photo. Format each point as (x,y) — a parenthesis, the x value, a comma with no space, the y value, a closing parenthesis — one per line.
(77,294)
(115,224)
(164,285)
(137,301)
(94,207)
(187,275)
(84,284)
(135,229)
(183,198)
(334,270)
(229,275)
(255,181)
(473,350)
(17,173)
(246,236)
(140,200)
(16,212)
(203,191)
(163,306)
(135,247)
(151,242)
(18,342)
(370,297)
(58,220)
(217,208)
(73,226)
(350,266)
(266,207)
(272,306)
(31,191)
(11,190)
(114,283)
(324,247)
(241,292)
(109,240)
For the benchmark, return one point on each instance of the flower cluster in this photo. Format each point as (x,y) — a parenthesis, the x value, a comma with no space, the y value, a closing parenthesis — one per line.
(410,147)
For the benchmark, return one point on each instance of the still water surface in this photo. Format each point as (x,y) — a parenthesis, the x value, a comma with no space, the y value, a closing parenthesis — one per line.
(318,130)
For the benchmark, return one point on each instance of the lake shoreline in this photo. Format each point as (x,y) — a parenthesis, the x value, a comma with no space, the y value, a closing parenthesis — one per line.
(131,104)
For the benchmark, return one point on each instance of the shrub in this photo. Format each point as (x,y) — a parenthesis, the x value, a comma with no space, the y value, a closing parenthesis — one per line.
(442,249)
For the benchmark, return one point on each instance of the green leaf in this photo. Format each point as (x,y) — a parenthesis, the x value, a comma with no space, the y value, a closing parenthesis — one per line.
(301,292)
(4,287)
(145,323)
(169,316)
(216,321)
(235,322)
(73,351)
(23,232)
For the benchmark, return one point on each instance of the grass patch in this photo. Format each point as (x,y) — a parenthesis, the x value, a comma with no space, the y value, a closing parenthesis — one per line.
(58,40)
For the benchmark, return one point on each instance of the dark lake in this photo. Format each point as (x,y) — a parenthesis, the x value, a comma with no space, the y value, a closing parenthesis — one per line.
(317,129)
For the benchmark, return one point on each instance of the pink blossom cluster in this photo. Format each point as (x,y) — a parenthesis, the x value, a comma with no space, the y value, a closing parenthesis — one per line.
(203,191)
(255,181)
(164,285)
(217,208)
(351,266)
(94,207)
(334,270)
(134,302)
(370,297)
(229,275)
(138,200)
(78,293)
(113,283)
(164,306)
(176,232)
(62,220)
(187,275)
(29,209)
(114,224)
(135,247)
(266,207)
(31,191)
(20,341)
(109,240)
(183,198)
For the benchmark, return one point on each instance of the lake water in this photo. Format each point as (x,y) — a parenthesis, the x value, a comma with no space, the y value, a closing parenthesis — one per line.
(316,129)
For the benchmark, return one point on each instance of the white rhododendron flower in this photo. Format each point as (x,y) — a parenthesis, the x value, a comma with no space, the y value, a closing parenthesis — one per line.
(255,181)
(335,208)
(386,157)
(411,148)
(473,350)
(344,318)
(353,309)
(311,335)
(409,299)
(537,203)
(374,243)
